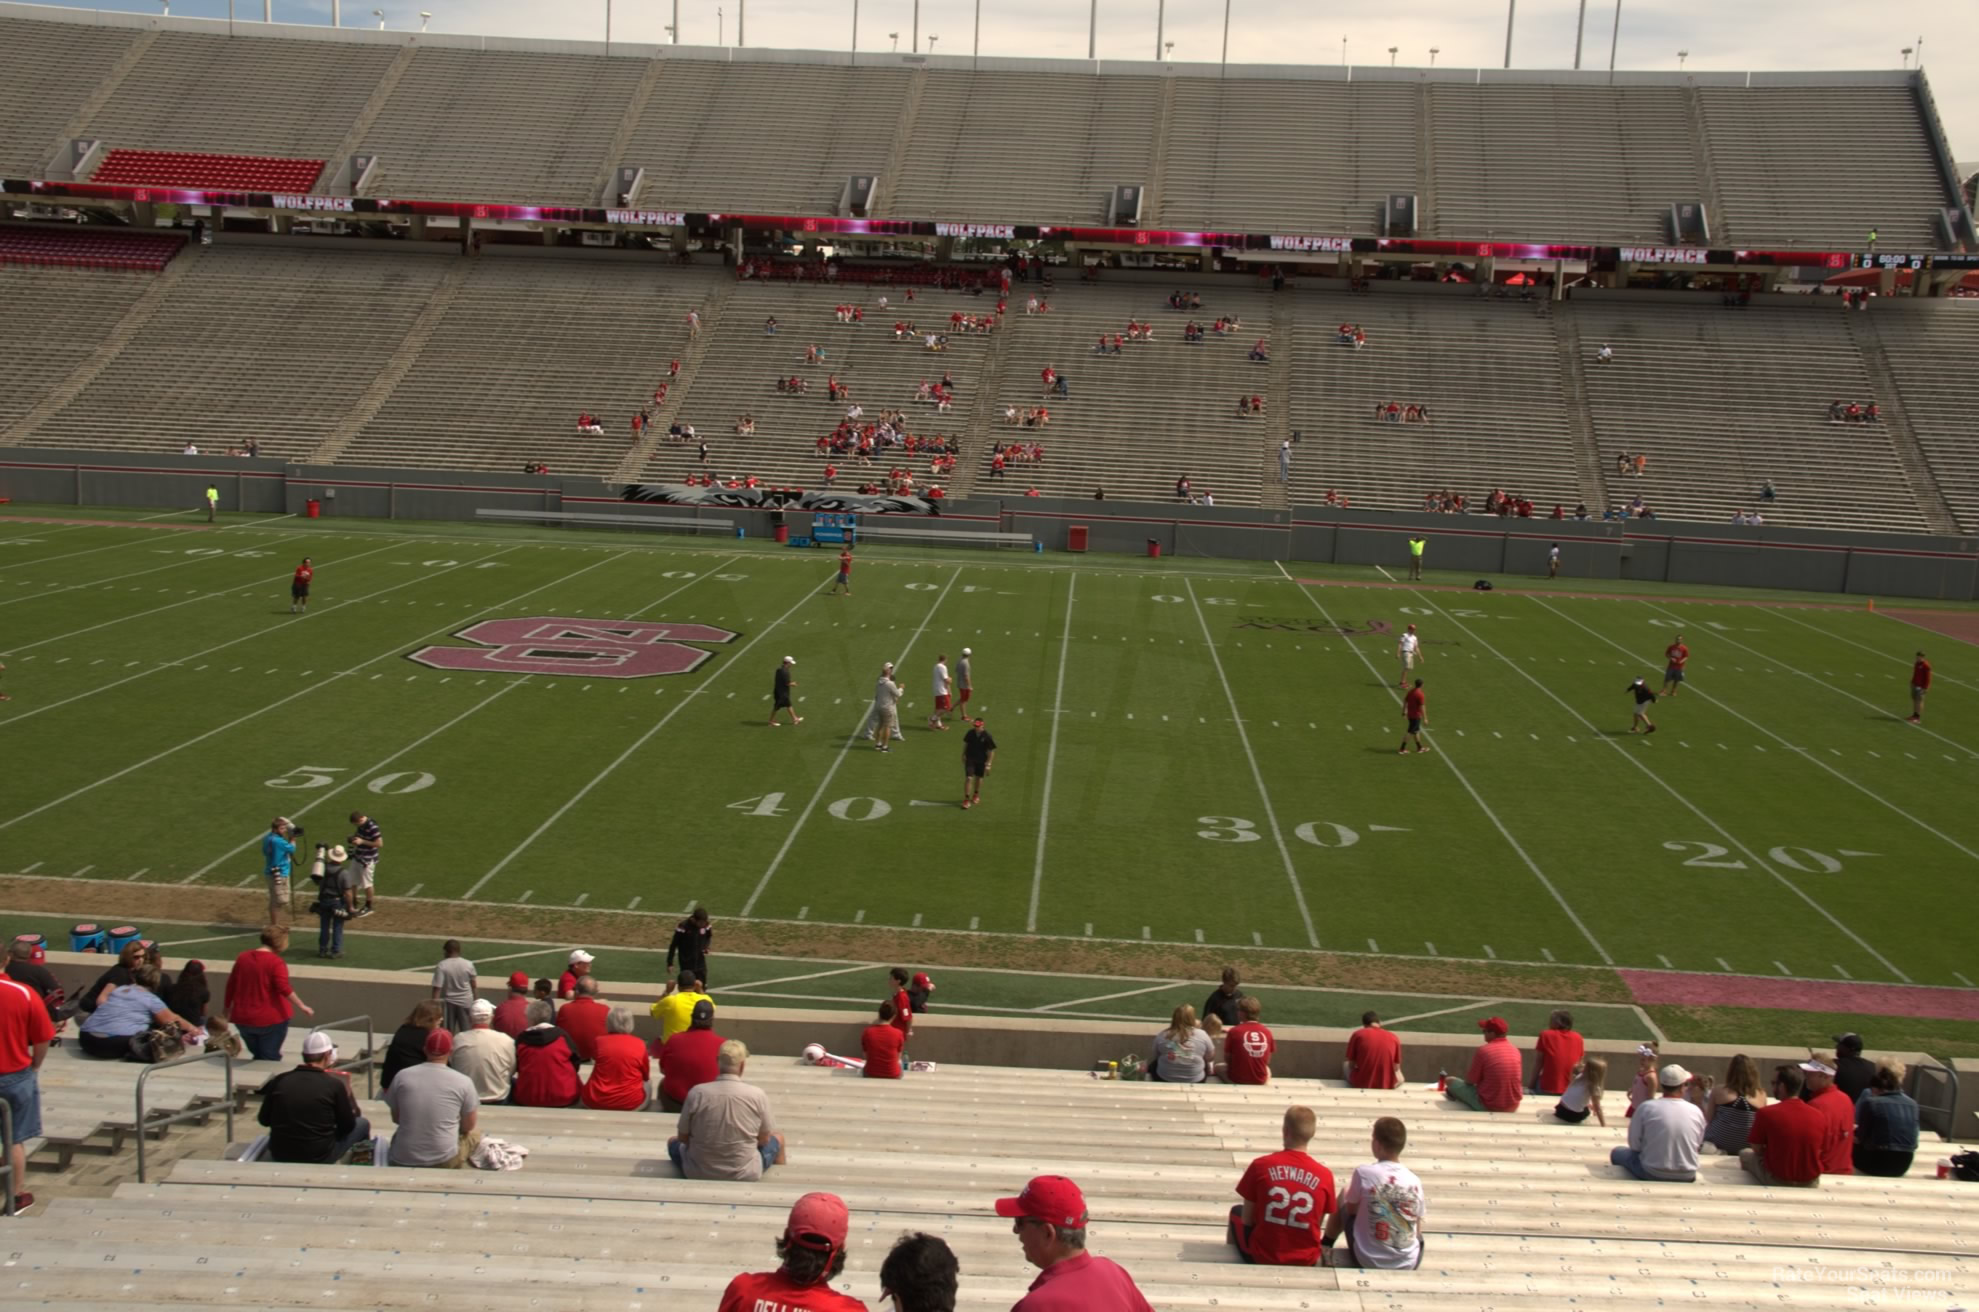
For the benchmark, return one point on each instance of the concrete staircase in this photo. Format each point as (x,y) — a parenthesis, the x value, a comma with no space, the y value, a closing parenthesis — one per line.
(1573,388)
(691,357)
(627,125)
(1896,421)
(381,95)
(90,366)
(984,424)
(403,360)
(903,138)
(1273,494)
(1157,181)
(79,125)
(1701,152)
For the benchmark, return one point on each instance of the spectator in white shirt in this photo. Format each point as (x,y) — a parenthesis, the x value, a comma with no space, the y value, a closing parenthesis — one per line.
(1665,1133)
(1381,1208)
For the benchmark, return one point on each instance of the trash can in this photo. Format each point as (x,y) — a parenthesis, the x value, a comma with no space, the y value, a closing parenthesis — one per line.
(123,934)
(1075,537)
(312,509)
(783,535)
(1154,548)
(88,937)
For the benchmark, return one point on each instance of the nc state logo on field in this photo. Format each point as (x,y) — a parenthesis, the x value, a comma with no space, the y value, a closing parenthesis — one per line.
(592,649)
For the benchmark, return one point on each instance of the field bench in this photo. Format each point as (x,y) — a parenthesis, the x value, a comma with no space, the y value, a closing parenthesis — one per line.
(584,518)
(970,536)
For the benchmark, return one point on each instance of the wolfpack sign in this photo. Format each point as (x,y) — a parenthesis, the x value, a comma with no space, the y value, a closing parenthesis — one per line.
(579,648)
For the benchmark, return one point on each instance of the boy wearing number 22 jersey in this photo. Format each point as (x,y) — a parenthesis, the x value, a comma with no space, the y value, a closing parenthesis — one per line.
(1287,1198)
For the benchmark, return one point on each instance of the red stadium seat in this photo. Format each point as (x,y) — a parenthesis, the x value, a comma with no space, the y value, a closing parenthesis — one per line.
(208,172)
(82,249)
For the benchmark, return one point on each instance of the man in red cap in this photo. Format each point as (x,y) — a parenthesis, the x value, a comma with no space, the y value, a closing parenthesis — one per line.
(1493,1082)
(812,1249)
(512,1016)
(1049,1220)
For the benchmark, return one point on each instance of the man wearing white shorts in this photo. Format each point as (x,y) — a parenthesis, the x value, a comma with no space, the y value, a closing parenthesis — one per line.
(1408,651)
(886,709)
(365,843)
(935,717)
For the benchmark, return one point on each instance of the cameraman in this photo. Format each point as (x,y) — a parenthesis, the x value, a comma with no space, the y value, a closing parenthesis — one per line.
(277,861)
(333,899)
(365,842)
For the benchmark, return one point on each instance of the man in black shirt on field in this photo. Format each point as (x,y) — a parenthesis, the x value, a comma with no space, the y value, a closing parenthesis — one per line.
(780,692)
(978,751)
(691,939)
(1644,699)
(311,1113)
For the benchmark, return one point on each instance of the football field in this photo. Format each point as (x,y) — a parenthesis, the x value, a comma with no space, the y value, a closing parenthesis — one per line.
(1189,752)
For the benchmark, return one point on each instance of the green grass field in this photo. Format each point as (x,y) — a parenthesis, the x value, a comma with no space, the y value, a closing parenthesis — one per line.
(1197,752)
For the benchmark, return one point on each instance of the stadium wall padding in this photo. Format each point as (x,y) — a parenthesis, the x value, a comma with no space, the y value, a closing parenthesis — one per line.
(1795,559)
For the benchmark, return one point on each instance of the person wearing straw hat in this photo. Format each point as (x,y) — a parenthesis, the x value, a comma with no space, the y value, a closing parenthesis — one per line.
(333,905)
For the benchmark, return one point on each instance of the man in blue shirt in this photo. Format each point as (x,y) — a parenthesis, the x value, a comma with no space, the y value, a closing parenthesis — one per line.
(277,860)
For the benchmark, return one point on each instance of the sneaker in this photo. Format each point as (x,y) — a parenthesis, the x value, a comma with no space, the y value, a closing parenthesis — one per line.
(1908,719)
(1401,751)
(965,804)
(22,1201)
(797,719)
(1421,750)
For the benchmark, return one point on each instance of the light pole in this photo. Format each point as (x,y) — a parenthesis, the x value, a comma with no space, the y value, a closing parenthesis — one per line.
(1168,47)
(721,27)
(1906,56)
(1226,33)
(425,17)
(1092,30)
(1434,51)
(379,14)
(1580,30)
(932,38)
(1511,12)
(976,44)
(1343,50)
(914,42)
(855,29)
(1682,55)
(608,27)
(741,22)
(336,12)
(1391,55)
(1615,37)
(1160,27)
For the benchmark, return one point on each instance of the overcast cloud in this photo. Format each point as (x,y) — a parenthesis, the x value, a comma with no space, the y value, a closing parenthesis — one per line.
(1751,34)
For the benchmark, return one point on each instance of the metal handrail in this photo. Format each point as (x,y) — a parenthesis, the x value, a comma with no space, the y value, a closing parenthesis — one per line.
(191,1113)
(369,1061)
(7,1157)
(1941,1119)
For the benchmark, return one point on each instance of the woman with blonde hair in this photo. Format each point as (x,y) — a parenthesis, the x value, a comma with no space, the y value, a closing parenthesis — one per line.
(1583,1094)
(1182,1052)
(1733,1104)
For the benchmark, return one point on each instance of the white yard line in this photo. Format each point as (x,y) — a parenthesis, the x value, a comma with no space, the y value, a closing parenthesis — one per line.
(1257,775)
(1051,756)
(1386,575)
(1827,684)
(204,596)
(1466,1005)
(1938,675)
(389,652)
(1109,997)
(1692,807)
(506,956)
(790,839)
(1482,805)
(734,662)
(792,979)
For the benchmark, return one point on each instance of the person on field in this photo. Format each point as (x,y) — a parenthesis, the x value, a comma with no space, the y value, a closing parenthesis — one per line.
(1416,547)
(1674,658)
(938,717)
(883,721)
(1920,683)
(1408,654)
(843,583)
(1643,698)
(299,586)
(978,755)
(1415,708)
(691,939)
(780,691)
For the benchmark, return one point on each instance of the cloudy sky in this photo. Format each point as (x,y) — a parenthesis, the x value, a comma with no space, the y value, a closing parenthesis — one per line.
(1750,34)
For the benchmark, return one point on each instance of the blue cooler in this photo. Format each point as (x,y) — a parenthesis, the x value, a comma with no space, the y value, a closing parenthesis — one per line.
(123,934)
(88,938)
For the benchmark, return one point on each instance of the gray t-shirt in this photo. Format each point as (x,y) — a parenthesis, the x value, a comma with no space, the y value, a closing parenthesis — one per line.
(454,978)
(429,1101)
(962,673)
(1185,1061)
(723,1121)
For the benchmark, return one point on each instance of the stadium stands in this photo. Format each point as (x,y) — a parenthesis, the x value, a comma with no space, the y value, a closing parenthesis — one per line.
(1723,400)
(513,126)
(1930,347)
(705,145)
(62,315)
(273,344)
(1520,1207)
(241,96)
(51,70)
(162,168)
(1487,369)
(89,248)
(524,346)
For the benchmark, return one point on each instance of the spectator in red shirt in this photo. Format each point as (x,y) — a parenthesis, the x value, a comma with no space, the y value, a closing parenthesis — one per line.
(1560,1049)
(882,1045)
(812,1250)
(546,1062)
(260,1002)
(1920,683)
(584,1019)
(1837,1113)
(903,1005)
(620,1069)
(1784,1146)
(1415,706)
(580,966)
(1287,1198)
(1374,1056)
(512,1015)
(25,1033)
(1249,1047)
(1049,1219)
(689,1057)
(1492,1084)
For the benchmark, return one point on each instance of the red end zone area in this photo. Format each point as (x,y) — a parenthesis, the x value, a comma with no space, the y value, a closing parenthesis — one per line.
(1963,625)
(1677,989)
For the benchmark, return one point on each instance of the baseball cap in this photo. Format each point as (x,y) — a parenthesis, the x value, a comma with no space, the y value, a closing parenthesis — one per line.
(317,1044)
(337,854)
(703,1014)
(1851,1041)
(1814,1066)
(519,981)
(790,660)
(923,982)
(978,723)
(1672,1075)
(818,1221)
(1494,1025)
(481,1009)
(965,651)
(579,957)
(1050,1198)
(439,1043)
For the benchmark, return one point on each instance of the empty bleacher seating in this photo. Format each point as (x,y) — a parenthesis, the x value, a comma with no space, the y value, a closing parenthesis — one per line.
(89,248)
(62,315)
(51,70)
(164,168)
(1931,346)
